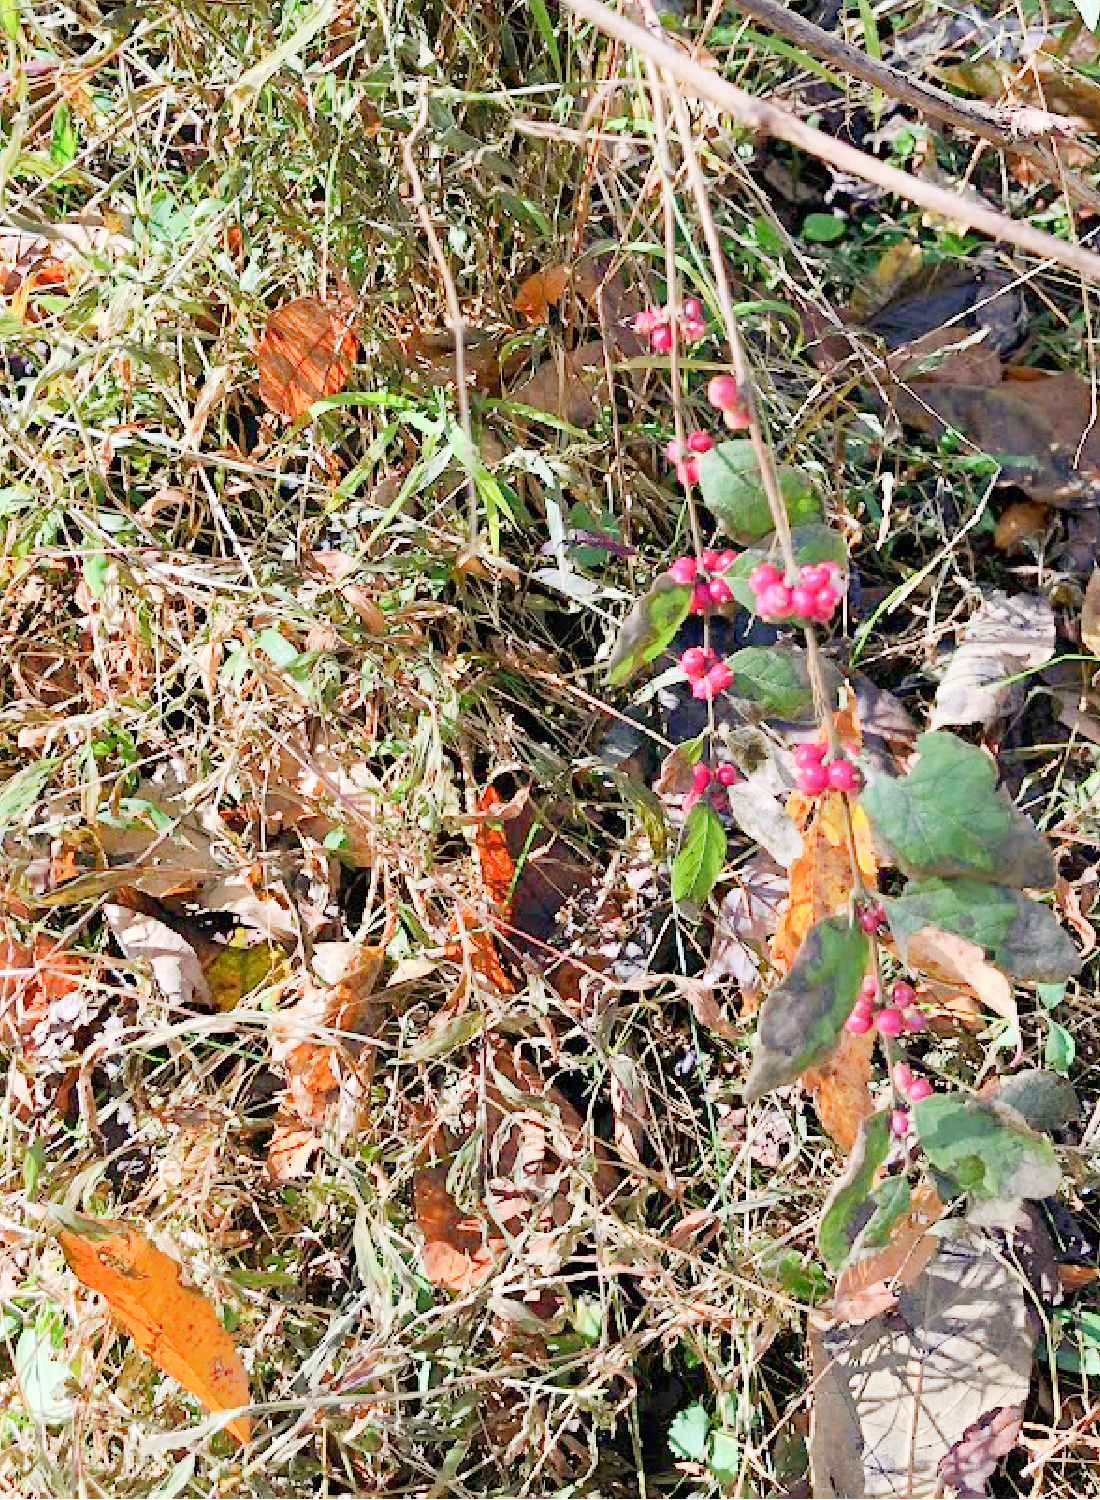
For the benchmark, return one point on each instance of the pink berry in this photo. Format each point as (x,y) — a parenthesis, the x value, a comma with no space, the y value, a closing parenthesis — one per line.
(695,662)
(700,599)
(727,775)
(775,602)
(825,601)
(888,1022)
(700,442)
(919,1089)
(683,570)
(816,576)
(720,591)
(660,340)
(725,559)
(903,994)
(708,558)
(811,754)
(858,1023)
(764,577)
(844,777)
(903,1076)
(672,451)
(724,392)
(700,778)
(687,472)
(720,676)
(863,1007)
(689,801)
(802,603)
(868,920)
(869,987)
(899,1123)
(812,781)
(647,320)
(913,1019)
(692,308)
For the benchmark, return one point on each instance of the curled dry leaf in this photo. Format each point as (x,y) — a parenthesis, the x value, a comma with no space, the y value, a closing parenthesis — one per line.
(307,351)
(1007,636)
(868,1284)
(953,960)
(174,1325)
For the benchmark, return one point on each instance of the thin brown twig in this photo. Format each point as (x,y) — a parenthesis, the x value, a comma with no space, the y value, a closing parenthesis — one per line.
(759,115)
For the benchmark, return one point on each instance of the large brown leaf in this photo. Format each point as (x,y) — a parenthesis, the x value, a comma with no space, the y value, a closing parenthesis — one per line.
(307,352)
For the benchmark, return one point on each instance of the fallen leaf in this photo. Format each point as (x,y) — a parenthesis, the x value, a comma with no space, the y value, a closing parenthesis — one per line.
(571,386)
(307,351)
(1005,638)
(1024,520)
(1090,614)
(956,961)
(897,1394)
(540,292)
(176,966)
(746,919)
(459,1250)
(974,1458)
(868,1284)
(174,1325)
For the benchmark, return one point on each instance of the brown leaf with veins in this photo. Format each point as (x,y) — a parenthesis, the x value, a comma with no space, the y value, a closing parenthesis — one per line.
(307,351)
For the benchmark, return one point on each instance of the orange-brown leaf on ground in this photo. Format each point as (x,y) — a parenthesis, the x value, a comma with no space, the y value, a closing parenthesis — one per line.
(459,1249)
(31,980)
(307,352)
(540,292)
(867,1286)
(174,1325)
(842,1098)
(474,943)
(821,879)
(320,1046)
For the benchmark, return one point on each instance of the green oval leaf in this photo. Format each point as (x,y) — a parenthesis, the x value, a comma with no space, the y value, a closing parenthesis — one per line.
(847,1209)
(729,478)
(985,1148)
(1021,937)
(801,1020)
(701,855)
(648,628)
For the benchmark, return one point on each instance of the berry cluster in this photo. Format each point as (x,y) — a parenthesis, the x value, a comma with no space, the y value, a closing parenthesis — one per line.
(812,598)
(655,324)
(700,571)
(914,1088)
(724,393)
(704,780)
(687,464)
(814,777)
(902,1014)
(871,918)
(706,672)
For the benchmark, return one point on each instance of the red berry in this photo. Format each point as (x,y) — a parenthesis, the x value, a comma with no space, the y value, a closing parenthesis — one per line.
(725,560)
(720,591)
(903,1076)
(708,557)
(863,1007)
(844,777)
(816,576)
(695,662)
(903,994)
(687,472)
(858,1023)
(683,570)
(700,599)
(692,308)
(700,442)
(802,603)
(825,601)
(919,1089)
(700,778)
(774,603)
(812,781)
(869,987)
(720,676)
(672,451)
(727,775)
(660,340)
(724,392)
(810,754)
(913,1019)
(899,1123)
(868,920)
(888,1022)
(763,577)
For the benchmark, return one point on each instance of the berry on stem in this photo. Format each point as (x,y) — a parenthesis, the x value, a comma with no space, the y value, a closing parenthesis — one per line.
(660,340)
(724,392)
(727,775)
(812,780)
(696,662)
(811,754)
(683,570)
(858,1023)
(700,778)
(888,1022)
(899,1123)
(919,1089)
(903,994)
(843,776)
(869,987)
(913,1019)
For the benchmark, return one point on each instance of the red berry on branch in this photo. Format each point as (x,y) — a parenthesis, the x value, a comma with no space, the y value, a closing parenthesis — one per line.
(903,1076)
(727,775)
(858,1023)
(700,442)
(708,557)
(724,392)
(810,754)
(720,676)
(692,308)
(774,603)
(700,599)
(720,591)
(888,1022)
(812,780)
(763,577)
(903,994)
(700,778)
(802,602)
(899,1123)
(695,662)
(683,570)
(913,1019)
(726,559)
(868,920)
(869,987)
(843,776)
(919,1089)
(660,340)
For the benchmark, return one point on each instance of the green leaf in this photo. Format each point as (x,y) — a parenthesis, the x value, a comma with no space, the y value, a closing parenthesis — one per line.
(1078,1349)
(43,1379)
(775,678)
(801,1019)
(985,1148)
(847,1209)
(648,628)
(891,1201)
(1060,1049)
(813,543)
(732,488)
(799,1277)
(823,229)
(947,817)
(1021,937)
(1046,1100)
(1089,11)
(1051,995)
(726,1458)
(701,855)
(689,1433)
(22,790)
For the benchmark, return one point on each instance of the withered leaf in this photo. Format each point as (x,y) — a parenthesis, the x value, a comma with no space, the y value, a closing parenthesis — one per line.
(307,351)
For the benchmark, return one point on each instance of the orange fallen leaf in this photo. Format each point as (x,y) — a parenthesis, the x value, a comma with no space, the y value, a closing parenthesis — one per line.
(540,292)
(459,1251)
(867,1286)
(174,1325)
(307,352)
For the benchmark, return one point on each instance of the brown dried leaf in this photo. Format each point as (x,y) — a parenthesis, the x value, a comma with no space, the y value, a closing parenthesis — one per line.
(868,1285)
(571,386)
(307,352)
(1090,615)
(540,292)
(953,960)
(459,1249)
(1005,637)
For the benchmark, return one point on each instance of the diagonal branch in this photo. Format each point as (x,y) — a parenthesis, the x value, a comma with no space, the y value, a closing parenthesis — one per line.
(757,114)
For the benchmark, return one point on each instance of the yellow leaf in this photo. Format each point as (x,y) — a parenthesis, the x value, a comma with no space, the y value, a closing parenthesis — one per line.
(174,1325)
(235,972)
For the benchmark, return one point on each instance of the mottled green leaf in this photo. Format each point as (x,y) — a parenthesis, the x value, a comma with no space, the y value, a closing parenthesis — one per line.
(689,1433)
(729,478)
(985,1148)
(801,1019)
(22,790)
(1061,1049)
(890,1200)
(775,678)
(1046,1100)
(648,628)
(947,817)
(847,1209)
(1021,937)
(701,855)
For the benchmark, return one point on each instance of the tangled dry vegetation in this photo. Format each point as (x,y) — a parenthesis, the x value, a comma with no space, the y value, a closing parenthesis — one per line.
(341,960)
